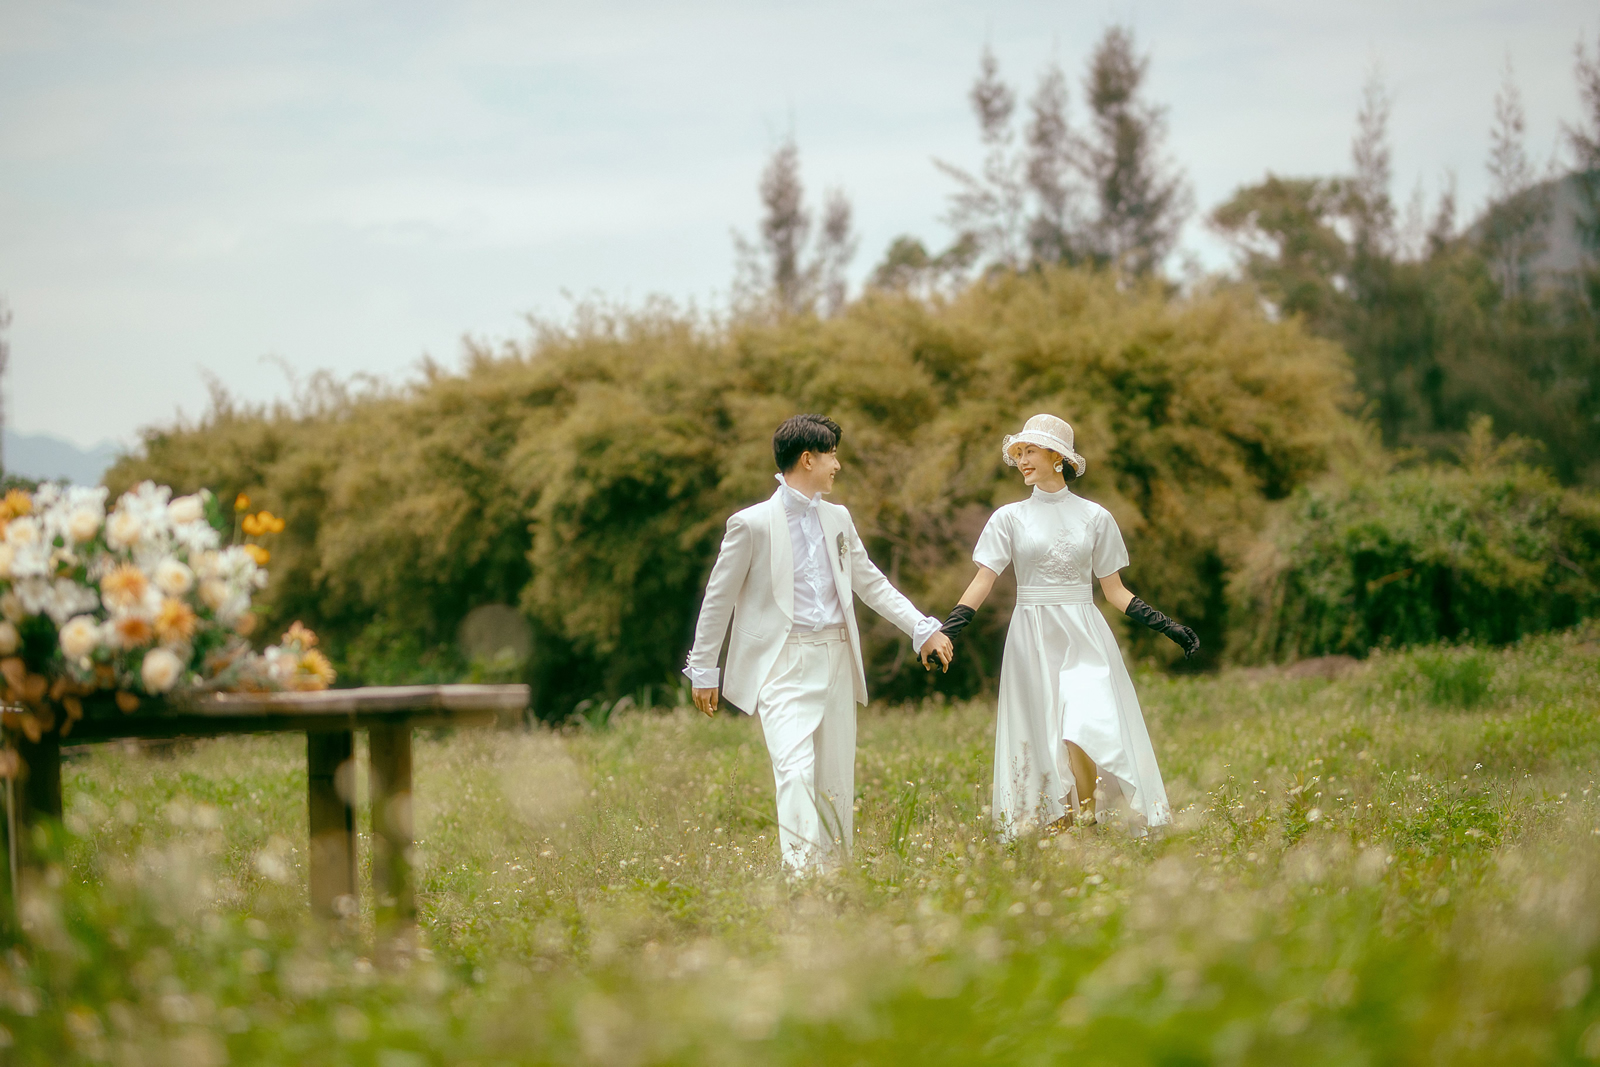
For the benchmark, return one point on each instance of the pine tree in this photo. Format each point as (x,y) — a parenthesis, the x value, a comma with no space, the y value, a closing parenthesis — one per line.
(1518,210)
(775,269)
(1142,199)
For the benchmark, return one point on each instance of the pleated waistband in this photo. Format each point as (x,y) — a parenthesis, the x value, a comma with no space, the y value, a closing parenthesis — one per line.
(826,636)
(1055,594)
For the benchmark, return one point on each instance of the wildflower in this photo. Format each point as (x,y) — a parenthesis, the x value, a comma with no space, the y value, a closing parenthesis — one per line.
(213,593)
(241,503)
(160,670)
(175,622)
(251,525)
(173,577)
(269,522)
(125,587)
(79,637)
(131,631)
(259,554)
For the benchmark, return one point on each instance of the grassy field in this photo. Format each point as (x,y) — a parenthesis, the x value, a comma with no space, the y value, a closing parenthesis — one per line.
(1396,866)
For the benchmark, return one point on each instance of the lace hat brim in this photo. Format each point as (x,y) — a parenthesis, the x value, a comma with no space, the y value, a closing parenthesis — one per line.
(1043,440)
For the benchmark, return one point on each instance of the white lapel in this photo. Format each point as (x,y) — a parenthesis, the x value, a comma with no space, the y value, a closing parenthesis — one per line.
(782,554)
(833,536)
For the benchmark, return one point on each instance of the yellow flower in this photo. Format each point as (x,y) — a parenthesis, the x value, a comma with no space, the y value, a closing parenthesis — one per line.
(175,621)
(251,525)
(313,671)
(259,554)
(124,588)
(269,522)
(241,503)
(17,502)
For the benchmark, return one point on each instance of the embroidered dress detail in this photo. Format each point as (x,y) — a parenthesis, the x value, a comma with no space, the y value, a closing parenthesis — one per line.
(1058,563)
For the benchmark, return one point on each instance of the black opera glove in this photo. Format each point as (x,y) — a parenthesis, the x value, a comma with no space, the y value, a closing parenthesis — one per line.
(1184,637)
(960,615)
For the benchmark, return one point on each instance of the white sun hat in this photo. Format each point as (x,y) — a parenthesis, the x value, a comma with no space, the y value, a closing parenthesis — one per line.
(1046,431)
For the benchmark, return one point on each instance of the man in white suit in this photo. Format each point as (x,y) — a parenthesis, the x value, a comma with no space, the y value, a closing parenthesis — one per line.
(784,578)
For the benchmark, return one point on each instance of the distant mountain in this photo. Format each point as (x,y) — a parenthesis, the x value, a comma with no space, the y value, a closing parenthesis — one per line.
(38,455)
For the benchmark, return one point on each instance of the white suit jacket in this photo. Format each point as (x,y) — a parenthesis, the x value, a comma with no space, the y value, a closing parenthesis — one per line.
(752,586)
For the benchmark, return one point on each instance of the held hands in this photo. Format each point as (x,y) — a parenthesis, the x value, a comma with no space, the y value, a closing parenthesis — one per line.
(706,701)
(937,647)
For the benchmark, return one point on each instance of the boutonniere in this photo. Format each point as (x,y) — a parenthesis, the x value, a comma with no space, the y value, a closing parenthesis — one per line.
(842,549)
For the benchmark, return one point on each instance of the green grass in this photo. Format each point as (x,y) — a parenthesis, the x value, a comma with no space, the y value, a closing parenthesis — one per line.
(1396,867)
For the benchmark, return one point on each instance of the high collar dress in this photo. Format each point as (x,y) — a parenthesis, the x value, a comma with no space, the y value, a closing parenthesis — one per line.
(1063,678)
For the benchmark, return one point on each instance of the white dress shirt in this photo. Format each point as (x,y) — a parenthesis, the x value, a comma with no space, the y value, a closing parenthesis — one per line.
(816,597)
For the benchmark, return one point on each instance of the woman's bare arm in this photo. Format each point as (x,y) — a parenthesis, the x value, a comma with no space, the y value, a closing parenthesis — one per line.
(978,589)
(1117,594)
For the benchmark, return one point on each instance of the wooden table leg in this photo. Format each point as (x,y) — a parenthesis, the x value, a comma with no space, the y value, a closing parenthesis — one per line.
(390,750)
(330,774)
(34,795)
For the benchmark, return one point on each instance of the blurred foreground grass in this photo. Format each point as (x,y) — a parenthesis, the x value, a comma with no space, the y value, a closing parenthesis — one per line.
(1395,866)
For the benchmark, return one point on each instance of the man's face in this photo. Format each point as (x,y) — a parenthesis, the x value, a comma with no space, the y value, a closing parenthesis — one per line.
(819,469)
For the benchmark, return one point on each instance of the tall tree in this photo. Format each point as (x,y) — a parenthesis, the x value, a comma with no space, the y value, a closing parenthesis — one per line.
(989,208)
(1142,198)
(782,268)
(1518,210)
(1584,139)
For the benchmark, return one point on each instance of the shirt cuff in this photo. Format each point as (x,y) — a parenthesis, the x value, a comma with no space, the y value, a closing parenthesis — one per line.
(703,677)
(924,630)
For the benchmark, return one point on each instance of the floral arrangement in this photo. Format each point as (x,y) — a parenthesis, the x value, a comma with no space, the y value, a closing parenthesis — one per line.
(143,601)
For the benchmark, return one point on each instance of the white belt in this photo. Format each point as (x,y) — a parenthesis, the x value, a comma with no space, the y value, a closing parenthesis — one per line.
(826,636)
(1055,594)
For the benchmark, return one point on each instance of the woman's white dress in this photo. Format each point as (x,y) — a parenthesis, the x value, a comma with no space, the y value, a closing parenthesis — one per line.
(1063,678)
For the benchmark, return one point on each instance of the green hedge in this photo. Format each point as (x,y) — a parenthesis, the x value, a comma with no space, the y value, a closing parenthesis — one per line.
(1488,550)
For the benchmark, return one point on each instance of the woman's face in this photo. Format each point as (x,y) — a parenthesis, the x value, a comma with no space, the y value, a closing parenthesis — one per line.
(1036,464)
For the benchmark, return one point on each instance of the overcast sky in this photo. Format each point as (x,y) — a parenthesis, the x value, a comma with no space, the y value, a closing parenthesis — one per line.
(194,187)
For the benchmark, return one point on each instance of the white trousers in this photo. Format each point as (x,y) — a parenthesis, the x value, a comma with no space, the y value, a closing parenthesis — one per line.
(808,717)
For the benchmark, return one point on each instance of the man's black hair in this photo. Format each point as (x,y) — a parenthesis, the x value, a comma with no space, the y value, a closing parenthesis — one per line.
(803,433)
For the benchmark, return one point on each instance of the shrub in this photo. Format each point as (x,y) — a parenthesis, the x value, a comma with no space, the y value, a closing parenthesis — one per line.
(1491,550)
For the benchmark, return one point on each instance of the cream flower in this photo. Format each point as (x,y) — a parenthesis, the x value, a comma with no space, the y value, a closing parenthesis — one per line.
(79,636)
(160,670)
(213,593)
(11,607)
(23,531)
(82,525)
(186,509)
(172,577)
(8,556)
(123,529)
(10,639)
(124,588)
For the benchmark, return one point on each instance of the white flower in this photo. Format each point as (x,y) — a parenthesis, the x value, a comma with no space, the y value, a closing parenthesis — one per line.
(9,638)
(79,637)
(66,598)
(186,509)
(23,531)
(196,537)
(160,670)
(172,577)
(82,524)
(123,529)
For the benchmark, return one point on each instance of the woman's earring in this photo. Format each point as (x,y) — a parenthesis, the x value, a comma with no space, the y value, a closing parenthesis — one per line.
(1058,468)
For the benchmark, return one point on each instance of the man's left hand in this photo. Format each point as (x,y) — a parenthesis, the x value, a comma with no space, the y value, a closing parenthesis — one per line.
(938,647)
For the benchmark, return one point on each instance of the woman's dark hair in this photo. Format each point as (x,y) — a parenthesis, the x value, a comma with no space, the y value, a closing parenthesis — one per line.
(803,433)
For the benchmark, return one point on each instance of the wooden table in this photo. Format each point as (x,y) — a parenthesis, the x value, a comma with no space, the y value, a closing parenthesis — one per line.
(329,719)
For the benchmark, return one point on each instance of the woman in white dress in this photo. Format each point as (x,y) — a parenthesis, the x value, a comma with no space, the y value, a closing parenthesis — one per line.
(1068,714)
